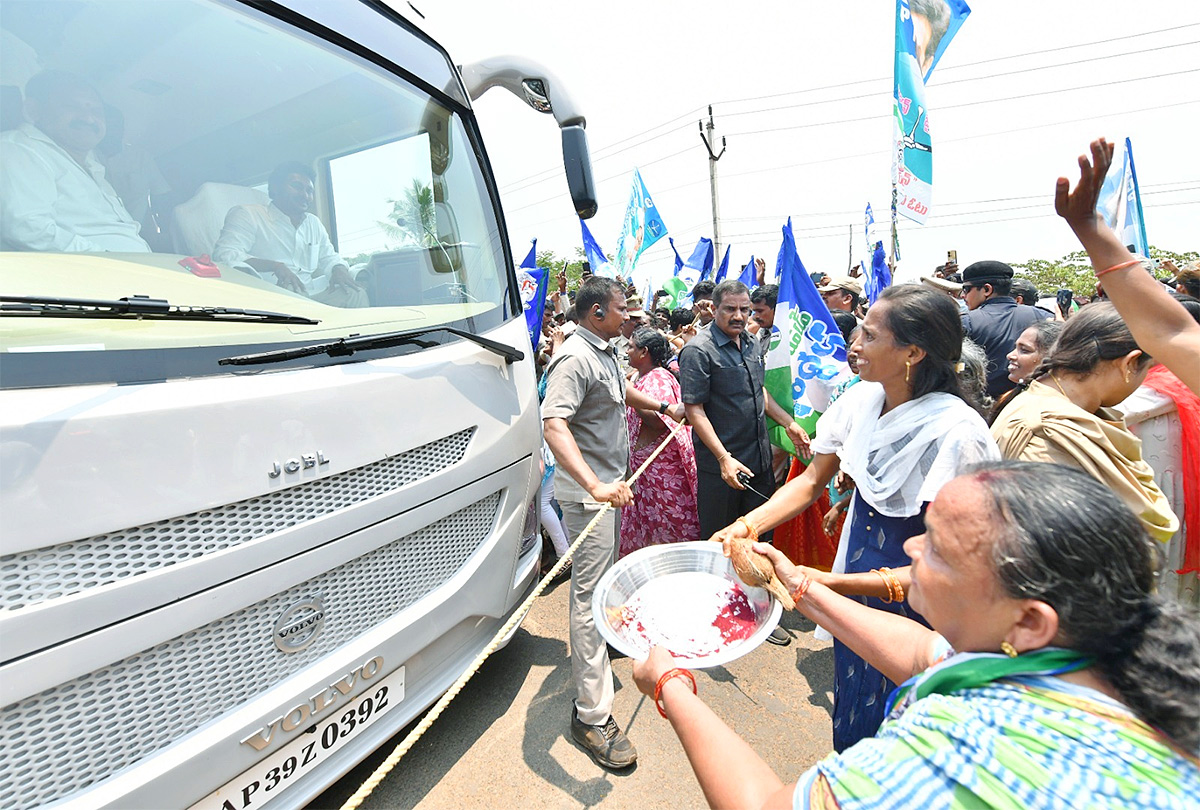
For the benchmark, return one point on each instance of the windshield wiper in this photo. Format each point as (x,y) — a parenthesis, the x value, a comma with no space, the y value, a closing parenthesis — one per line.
(344,347)
(137,306)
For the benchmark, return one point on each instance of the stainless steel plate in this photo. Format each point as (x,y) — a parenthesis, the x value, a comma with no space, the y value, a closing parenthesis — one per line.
(696,570)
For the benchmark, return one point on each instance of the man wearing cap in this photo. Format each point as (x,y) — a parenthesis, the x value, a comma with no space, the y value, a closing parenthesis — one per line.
(994,319)
(842,292)
(637,317)
(950,288)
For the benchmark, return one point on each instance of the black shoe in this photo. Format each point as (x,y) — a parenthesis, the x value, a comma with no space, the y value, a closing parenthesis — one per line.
(779,636)
(607,744)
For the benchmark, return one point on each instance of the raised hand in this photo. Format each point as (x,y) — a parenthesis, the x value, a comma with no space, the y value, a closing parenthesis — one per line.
(1078,206)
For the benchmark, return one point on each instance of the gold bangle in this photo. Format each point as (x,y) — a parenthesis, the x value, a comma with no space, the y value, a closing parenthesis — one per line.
(886,584)
(895,581)
(750,528)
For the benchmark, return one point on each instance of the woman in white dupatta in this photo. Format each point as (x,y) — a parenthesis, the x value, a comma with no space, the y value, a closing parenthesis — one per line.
(900,434)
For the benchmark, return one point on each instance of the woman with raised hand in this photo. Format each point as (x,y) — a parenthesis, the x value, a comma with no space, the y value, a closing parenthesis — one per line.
(664,509)
(1066,414)
(1158,323)
(1054,677)
(900,434)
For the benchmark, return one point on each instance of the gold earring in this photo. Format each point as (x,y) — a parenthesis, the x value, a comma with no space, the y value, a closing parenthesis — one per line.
(1127,376)
(907,369)
(1008,649)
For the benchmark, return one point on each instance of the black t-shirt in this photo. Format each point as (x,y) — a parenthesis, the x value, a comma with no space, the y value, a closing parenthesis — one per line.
(995,325)
(728,382)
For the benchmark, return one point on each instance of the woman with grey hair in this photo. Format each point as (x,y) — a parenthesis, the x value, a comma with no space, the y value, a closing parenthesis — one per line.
(1054,676)
(972,377)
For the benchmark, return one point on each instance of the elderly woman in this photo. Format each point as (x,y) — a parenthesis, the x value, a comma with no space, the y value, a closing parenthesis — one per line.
(1066,415)
(664,509)
(1052,678)
(900,434)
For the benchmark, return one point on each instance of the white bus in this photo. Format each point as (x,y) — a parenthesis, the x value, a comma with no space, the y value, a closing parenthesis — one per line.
(246,533)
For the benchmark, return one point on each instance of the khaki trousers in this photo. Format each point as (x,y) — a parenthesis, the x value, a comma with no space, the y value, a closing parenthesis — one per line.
(590,666)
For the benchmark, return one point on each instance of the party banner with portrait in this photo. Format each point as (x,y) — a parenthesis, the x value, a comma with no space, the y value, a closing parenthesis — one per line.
(924,29)
(642,228)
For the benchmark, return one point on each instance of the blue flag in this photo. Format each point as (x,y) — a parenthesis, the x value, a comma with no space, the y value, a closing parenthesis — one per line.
(921,39)
(724,269)
(689,273)
(642,227)
(594,255)
(678,260)
(1134,232)
(749,275)
(878,276)
(701,260)
(806,348)
(1120,201)
(533,281)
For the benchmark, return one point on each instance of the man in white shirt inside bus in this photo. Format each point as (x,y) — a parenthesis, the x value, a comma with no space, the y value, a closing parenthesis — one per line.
(286,245)
(53,193)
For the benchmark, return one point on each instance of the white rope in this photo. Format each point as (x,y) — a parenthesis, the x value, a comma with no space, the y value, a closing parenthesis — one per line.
(410,740)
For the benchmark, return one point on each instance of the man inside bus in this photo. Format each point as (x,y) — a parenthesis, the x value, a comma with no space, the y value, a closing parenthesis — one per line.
(284,244)
(53,193)
(583,417)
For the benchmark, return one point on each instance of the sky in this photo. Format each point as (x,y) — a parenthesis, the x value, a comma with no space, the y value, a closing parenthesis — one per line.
(802,93)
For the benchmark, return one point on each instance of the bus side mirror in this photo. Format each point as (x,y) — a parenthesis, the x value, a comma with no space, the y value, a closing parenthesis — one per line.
(577,163)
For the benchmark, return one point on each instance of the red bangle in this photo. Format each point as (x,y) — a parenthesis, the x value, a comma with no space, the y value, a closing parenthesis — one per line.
(1120,266)
(674,672)
(801,589)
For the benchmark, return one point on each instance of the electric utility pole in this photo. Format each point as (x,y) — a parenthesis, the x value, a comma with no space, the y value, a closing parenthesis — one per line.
(708,134)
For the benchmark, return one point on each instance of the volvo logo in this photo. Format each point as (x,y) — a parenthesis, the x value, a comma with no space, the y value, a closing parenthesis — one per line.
(299,625)
(294,465)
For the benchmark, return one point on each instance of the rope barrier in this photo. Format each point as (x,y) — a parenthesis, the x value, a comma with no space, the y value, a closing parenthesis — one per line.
(518,616)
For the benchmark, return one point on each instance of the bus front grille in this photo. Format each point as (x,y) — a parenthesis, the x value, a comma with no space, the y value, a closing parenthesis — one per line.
(44,574)
(55,743)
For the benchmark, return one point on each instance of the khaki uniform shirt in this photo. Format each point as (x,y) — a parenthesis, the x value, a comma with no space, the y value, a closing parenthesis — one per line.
(585,387)
(1041,424)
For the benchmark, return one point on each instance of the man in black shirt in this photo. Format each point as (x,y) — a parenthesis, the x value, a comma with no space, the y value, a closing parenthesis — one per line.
(994,319)
(721,375)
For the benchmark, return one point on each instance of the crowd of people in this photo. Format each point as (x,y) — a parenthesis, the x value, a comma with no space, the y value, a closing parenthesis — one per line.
(999,537)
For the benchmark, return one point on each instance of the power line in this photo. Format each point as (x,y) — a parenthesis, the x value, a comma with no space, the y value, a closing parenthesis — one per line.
(885,152)
(972,103)
(521,184)
(558,169)
(948,68)
(840,228)
(873,153)
(960,81)
(1046,204)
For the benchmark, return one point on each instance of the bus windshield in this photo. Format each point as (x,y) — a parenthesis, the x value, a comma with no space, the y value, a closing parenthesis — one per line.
(187,154)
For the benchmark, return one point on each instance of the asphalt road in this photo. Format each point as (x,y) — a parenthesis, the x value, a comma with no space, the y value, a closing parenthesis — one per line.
(505,740)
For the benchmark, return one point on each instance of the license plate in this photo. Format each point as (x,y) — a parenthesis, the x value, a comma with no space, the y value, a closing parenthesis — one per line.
(271,776)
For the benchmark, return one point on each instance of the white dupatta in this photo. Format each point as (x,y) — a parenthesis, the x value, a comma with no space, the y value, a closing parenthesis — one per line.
(901,460)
